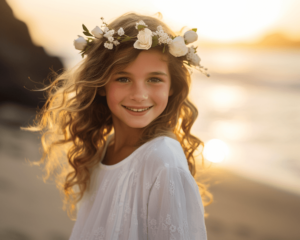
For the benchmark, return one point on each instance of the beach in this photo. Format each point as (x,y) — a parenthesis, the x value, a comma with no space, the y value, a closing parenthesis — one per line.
(32,210)
(245,209)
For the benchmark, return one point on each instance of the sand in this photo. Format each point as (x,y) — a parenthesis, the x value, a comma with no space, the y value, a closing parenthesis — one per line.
(244,209)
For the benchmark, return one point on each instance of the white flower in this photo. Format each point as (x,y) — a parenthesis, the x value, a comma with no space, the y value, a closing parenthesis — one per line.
(195,60)
(121,32)
(192,49)
(109,33)
(105,29)
(164,38)
(192,57)
(140,23)
(116,42)
(178,48)
(97,32)
(190,36)
(159,28)
(111,39)
(80,43)
(108,45)
(144,39)
(161,32)
(169,41)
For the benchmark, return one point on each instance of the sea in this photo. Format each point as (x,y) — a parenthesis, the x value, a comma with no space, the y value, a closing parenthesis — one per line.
(250,102)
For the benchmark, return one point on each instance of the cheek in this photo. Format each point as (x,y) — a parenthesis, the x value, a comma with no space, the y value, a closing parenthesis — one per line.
(161,97)
(113,96)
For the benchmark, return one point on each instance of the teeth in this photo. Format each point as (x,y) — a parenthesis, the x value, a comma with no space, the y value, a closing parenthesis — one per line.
(137,110)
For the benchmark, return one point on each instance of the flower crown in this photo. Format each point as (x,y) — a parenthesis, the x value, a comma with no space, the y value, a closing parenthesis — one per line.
(144,40)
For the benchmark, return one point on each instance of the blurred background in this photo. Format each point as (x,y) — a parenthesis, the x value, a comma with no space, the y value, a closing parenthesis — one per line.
(249,111)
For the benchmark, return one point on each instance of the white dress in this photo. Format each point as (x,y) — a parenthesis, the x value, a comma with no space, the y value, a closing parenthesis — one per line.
(151,194)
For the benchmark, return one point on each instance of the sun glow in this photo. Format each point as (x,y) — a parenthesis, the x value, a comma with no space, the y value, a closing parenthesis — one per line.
(223,98)
(216,20)
(215,151)
(221,20)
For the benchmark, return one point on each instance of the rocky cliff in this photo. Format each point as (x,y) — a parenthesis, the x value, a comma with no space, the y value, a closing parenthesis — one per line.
(21,59)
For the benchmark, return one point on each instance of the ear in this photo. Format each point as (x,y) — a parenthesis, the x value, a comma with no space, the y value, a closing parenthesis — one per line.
(101,92)
(171,92)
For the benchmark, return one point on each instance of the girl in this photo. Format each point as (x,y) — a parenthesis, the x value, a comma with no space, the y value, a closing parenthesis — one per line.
(123,119)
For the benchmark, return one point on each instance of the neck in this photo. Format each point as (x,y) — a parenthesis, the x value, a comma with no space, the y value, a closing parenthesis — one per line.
(125,137)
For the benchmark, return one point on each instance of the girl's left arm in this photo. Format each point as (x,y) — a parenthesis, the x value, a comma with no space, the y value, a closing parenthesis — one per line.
(175,209)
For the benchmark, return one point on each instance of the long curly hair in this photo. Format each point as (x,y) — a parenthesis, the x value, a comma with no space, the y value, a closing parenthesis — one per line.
(76,120)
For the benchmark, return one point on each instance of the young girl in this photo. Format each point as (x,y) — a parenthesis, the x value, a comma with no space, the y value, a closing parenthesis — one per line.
(123,119)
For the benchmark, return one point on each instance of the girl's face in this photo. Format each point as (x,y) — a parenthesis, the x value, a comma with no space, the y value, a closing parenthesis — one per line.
(139,93)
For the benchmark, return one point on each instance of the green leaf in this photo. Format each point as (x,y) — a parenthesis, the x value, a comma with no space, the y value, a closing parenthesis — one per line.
(141,27)
(194,29)
(87,48)
(164,48)
(87,34)
(82,55)
(126,39)
(85,28)
(154,41)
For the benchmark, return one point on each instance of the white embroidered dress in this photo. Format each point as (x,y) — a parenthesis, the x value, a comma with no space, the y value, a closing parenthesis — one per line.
(148,195)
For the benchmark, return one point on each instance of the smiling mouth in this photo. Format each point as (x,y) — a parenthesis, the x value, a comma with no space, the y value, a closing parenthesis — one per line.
(137,110)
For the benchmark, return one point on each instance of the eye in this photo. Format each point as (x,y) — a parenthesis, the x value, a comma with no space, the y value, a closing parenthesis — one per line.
(155,80)
(123,79)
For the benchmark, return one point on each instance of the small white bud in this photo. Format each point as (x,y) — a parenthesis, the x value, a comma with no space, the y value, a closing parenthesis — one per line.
(97,32)
(80,43)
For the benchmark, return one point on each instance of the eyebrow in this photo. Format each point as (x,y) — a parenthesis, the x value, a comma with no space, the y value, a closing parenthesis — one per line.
(151,73)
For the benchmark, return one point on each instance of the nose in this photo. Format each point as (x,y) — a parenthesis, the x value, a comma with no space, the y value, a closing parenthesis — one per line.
(138,92)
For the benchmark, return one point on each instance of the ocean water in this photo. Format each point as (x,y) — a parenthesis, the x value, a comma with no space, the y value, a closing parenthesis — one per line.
(252,103)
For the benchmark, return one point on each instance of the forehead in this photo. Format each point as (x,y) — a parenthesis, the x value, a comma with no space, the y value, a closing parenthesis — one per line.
(148,61)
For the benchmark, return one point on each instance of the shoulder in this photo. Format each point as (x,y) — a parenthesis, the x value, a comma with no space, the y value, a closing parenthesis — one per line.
(165,152)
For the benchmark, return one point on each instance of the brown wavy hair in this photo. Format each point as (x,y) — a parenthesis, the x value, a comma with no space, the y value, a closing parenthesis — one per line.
(76,121)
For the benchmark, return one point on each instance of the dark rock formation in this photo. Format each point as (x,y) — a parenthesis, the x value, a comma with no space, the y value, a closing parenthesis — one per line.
(21,59)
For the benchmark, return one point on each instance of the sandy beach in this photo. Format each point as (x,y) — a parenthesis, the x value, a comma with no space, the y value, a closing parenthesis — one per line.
(32,210)
(244,209)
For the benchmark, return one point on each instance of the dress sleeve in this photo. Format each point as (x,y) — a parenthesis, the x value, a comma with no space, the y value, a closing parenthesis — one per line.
(175,209)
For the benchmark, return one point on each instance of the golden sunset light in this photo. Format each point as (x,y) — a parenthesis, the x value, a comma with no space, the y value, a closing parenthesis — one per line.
(215,151)
(54,24)
(230,20)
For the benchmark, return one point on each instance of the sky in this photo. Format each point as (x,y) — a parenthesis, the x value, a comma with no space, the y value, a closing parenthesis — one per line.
(55,24)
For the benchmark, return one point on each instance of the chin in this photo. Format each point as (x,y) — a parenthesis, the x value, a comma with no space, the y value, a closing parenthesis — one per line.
(138,123)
